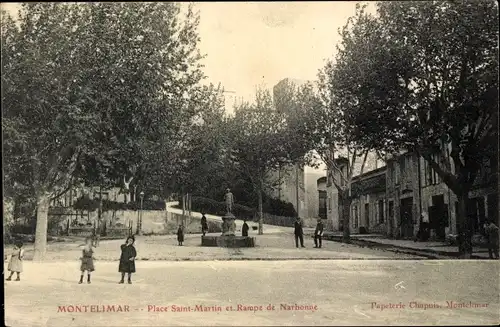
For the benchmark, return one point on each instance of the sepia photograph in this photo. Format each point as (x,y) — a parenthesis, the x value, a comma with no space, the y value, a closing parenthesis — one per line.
(266,163)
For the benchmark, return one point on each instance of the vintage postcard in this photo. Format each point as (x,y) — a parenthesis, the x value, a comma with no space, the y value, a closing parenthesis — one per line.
(250,163)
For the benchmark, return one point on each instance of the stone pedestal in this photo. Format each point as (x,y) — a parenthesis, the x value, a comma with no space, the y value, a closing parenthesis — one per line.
(229,225)
(228,241)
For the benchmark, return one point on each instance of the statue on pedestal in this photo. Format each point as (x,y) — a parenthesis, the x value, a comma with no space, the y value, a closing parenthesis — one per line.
(229,225)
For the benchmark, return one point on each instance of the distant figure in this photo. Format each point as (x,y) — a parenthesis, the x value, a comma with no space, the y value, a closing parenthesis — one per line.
(87,260)
(229,198)
(180,235)
(318,234)
(127,259)
(96,236)
(492,234)
(245,228)
(423,233)
(204,225)
(16,262)
(299,233)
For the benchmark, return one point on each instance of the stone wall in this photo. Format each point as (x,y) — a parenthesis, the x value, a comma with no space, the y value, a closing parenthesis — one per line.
(157,222)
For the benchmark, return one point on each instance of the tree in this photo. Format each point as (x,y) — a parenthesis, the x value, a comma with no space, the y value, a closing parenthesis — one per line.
(107,85)
(204,169)
(426,76)
(324,114)
(261,142)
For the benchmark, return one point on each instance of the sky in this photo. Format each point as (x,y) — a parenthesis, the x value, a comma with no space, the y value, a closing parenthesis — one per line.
(251,44)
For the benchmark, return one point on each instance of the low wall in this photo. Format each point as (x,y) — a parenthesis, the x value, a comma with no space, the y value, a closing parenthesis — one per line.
(164,222)
(158,222)
(276,220)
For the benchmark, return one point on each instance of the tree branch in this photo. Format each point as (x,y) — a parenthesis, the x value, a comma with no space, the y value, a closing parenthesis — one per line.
(364,162)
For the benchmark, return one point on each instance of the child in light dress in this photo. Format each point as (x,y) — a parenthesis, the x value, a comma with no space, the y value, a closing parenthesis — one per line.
(16,262)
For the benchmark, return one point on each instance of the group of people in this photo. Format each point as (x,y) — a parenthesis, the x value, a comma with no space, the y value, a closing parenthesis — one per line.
(299,233)
(126,265)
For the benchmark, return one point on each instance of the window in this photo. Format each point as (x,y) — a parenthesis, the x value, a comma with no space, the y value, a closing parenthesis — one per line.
(431,176)
(381,211)
(391,210)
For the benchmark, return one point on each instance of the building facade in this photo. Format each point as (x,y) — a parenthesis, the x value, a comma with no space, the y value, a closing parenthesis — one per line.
(395,200)
(289,186)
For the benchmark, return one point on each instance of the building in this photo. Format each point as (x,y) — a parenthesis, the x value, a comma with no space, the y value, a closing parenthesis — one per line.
(312,196)
(393,200)
(328,192)
(414,188)
(289,186)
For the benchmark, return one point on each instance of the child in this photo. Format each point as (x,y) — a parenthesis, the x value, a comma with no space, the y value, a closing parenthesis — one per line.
(87,260)
(180,235)
(16,262)
(127,259)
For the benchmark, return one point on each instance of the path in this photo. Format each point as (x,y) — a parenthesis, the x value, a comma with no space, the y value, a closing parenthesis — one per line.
(269,247)
(268,229)
(342,292)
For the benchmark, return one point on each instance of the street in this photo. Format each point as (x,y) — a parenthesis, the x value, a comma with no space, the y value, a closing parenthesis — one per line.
(321,292)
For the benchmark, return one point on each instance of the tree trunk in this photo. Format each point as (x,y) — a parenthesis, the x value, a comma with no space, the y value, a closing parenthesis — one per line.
(41,226)
(99,211)
(464,227)
(261,214)
(346,209)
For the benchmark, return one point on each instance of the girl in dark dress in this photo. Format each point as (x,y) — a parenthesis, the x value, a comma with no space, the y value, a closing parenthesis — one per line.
(127,259)
(244,229)
(180,235)
(87,260)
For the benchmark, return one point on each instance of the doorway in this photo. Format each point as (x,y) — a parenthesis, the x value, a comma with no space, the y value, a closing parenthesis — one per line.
(493,208)
(438,216)
(406,218)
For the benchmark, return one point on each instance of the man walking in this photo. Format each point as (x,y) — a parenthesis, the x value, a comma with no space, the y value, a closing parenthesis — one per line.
(299,233)
(318,234)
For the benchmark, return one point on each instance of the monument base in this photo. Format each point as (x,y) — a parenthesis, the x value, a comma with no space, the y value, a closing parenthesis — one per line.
(228,241)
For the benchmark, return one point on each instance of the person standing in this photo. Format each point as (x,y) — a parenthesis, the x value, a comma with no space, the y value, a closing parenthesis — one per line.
(492,234)
(127,259)
(204,225)
(299,233)
(16,262)
(244,228)
(180,235)
(87,260)
(318,234)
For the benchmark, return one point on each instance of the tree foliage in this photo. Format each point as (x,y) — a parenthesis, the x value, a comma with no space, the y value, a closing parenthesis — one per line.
(424,78)
(262,142)
(94,92)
